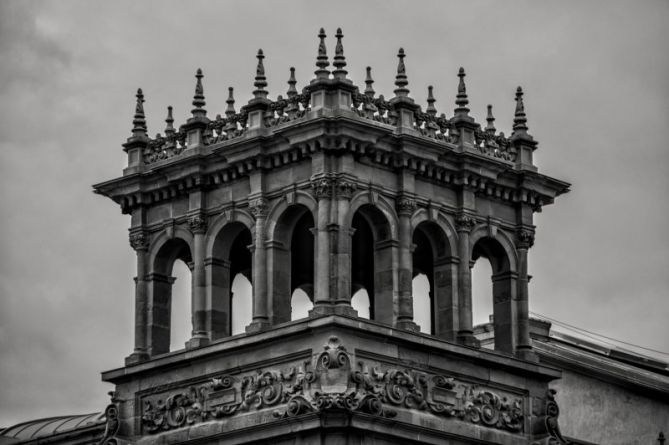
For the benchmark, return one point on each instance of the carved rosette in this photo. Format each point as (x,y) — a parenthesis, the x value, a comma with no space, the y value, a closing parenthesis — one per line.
(322,188)
(464,222)
(406,206)
(139,240)
(525,239)
(259,207)
(329,382)
(197,224)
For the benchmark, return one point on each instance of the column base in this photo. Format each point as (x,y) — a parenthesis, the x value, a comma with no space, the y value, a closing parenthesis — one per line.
(467,338)
(345,309)
(526,353)
(408,325)
(136,357)
(197,342)
(258,326)
(321,310)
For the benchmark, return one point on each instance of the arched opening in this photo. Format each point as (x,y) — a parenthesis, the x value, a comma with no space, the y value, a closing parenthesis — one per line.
(229,281)
(180,318)
(422,315)
(434,295)
(360,302)
(372,253)
(300,305)
(481,292)
(241,303)
(503,291)
(291,258)
(165,312)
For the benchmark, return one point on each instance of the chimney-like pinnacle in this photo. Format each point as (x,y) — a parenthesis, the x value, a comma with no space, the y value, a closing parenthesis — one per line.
(260,81)
(520,119)
(461,100)
(339,59)
(169,120)
(401,78)
(369,91)
(230,109)
(490,128)
(431,110)
(139,121)
(322,59)
(198,98)
(292,91)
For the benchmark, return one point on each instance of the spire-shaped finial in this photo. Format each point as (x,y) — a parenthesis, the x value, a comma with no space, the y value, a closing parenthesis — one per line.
(461,100)
(230,109)
(292,91)
(519,120)
(198,98)
(322,59)
(431,110)
(139,121)
(490,128)
(369,91)
(401,78)
(339,59)
(261,81)
(169,120)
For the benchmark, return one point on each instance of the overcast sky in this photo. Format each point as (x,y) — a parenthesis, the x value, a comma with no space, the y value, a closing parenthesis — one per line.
(596,77)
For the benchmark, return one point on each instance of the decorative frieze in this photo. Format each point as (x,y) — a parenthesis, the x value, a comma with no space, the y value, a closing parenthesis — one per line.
(330,382)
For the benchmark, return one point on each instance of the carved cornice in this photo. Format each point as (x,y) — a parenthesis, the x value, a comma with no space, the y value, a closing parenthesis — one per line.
(139,240)
(197,224)
(406,206)
(330,382)
(464,222)
(259,207)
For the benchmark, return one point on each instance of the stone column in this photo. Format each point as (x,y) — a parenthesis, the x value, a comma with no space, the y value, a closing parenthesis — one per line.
(464,224)
(323,191)
(524,343)
(140,243)
(340,279)
(198,225)
(258,207)
(405,208)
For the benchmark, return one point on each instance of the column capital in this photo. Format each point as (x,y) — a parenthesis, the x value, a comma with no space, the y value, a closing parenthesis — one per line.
(197,224)
(139,240)
(345,189)
(259,207)
(464,222)
(405,205)
(524,239)
(322,187)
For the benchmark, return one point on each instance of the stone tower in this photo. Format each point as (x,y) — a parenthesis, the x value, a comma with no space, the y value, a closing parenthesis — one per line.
(331,190)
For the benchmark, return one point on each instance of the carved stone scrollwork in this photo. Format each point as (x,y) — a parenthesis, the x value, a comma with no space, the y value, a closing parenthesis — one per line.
(197,224)
(259,207)
(406,206)
(322,188)
(464,222)
(139,241)
(112,423)
(525,239)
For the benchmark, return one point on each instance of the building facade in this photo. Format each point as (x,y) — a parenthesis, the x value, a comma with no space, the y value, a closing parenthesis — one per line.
(330,190)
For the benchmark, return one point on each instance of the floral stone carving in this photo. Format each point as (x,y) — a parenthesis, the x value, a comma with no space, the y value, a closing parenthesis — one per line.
(331,383)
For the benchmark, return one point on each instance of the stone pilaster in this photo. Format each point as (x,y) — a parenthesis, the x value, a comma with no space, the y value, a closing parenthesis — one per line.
(198,226)
(258,207)
(405,208)
(140,243)
(525,240)
(464,224)
(323,191)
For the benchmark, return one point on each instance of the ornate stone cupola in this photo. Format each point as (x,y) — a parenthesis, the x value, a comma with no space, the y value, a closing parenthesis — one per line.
(332,190)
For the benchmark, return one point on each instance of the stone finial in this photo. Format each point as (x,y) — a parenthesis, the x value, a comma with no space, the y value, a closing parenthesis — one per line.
(292,91)
(519,119)
(490,128)
(198,98)
(260,81)
(369,91)
(339,59)
(139,121)
(431,110)
(322,59)
(169,120)
(230,109)
(461,100)
(401,78)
